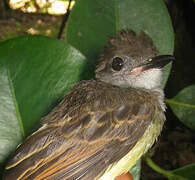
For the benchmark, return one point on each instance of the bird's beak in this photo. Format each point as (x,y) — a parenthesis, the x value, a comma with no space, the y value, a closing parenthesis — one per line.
(155,62)
(158,61)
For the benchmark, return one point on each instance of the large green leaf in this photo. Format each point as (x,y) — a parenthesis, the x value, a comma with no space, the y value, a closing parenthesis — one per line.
(91,23)
(42,71)
(183,105)
(10,130)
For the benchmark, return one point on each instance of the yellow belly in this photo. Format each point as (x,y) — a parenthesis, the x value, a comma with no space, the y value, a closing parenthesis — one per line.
(142,146)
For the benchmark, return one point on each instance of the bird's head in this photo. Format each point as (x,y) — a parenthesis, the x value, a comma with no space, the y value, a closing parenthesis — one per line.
(131,60)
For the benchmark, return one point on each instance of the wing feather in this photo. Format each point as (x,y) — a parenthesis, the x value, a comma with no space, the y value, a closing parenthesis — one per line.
(85,133)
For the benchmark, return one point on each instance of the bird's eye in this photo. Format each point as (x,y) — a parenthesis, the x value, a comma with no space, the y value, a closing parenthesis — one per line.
(117,64)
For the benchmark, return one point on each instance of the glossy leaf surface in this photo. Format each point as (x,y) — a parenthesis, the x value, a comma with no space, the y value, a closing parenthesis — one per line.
(183,105)
(42,71)
(10,130)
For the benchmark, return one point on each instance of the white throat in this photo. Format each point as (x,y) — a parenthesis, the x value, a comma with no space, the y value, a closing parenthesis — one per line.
(149,79)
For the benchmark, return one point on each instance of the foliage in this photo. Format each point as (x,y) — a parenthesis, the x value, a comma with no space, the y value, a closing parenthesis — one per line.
(183,105)
(38,75)
(184,173)
(10,133)
(39,70)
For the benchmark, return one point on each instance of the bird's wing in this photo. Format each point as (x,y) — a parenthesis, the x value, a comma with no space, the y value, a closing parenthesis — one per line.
(86,140)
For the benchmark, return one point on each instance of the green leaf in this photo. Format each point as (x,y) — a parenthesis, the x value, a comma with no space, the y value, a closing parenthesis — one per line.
(91,23)
(183,105)
(10,130)
(42,71)
(136,170)
(186,172)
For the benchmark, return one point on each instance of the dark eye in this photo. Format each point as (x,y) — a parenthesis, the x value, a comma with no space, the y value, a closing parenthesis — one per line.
(117,64)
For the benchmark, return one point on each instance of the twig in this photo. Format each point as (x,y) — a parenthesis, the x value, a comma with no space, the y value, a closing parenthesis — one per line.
(64,20)
(158,169)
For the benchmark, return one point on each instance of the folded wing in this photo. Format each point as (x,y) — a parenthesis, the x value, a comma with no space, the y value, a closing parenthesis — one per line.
(83,135)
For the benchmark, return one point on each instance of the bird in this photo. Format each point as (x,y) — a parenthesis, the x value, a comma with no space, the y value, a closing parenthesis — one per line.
(102,126)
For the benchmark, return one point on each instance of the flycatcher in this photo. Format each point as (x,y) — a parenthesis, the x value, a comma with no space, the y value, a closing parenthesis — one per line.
(101,127)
